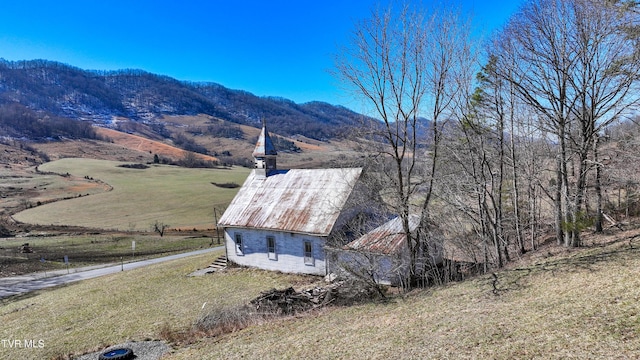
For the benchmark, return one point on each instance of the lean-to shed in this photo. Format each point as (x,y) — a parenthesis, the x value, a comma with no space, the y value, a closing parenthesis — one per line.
(382,254)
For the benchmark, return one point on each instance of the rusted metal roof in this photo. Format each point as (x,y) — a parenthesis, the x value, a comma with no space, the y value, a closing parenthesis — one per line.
(305,201)
(388,238)
(264,145)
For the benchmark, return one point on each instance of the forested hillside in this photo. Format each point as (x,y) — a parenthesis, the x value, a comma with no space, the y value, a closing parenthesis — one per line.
(19,121)
(65,91)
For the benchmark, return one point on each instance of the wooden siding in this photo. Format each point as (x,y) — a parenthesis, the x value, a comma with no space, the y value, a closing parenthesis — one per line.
(289,254)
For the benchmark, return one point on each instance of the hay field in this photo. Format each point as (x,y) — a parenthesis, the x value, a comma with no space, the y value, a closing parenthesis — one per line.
(21,187)
(175,196)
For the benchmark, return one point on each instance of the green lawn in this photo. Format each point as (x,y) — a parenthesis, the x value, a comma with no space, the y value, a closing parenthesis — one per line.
(175,196)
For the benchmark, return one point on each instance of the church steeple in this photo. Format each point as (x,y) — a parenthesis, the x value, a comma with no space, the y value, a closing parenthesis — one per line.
(265,153)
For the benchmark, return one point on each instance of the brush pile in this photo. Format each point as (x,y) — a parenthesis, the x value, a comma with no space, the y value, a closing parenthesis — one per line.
(289,301)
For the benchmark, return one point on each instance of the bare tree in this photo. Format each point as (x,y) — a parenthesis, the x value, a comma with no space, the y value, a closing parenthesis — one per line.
(478,147)
(607,67)
(159,227)
(576,66)
(407,64)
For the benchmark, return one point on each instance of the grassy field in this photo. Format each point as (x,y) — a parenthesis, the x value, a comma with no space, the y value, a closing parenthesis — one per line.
(135,305)
(177,197)
(579,304)
(20,188)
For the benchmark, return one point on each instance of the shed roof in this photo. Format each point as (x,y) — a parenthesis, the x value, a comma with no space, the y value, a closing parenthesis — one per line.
(388,238)
(300,200)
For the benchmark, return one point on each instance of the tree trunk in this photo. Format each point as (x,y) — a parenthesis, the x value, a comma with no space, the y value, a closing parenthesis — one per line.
(598,188)
(516,196)
(533,221)
(558,203)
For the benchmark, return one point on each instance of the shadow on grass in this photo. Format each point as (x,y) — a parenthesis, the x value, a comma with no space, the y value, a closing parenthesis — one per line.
(29,294)
(14,298)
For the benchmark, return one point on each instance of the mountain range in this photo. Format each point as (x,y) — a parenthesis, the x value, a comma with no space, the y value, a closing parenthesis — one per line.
(63,91)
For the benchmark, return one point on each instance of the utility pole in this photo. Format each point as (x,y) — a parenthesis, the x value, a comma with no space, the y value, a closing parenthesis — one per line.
(215,216)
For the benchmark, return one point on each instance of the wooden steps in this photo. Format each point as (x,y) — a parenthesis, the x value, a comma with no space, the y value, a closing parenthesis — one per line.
(219,264)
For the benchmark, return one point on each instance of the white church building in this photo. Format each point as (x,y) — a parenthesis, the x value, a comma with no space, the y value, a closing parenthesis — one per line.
(281,219)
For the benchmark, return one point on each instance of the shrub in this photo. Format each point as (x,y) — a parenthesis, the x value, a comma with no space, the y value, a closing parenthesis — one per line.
(134,166)
(229,185)
(230,319)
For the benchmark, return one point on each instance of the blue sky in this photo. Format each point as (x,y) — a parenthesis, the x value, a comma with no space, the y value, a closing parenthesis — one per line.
(269,48)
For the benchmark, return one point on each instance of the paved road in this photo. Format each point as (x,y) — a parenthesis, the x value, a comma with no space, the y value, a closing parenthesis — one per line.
(26,283)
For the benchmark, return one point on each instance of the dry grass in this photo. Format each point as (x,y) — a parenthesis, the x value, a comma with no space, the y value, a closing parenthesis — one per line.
(92,149)
(132,305)
(581,305)
(22,187)
(139,143)
(218,321)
